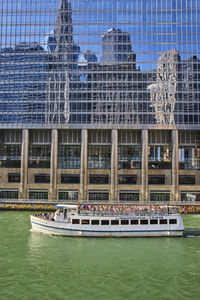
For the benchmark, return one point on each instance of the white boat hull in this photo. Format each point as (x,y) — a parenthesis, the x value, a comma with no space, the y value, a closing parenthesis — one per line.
(67,229)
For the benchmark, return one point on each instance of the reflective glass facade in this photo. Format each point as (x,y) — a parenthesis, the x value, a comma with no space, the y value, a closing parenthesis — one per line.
(99,62)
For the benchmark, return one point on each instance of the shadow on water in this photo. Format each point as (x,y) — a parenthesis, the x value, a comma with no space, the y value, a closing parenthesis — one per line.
(191,232)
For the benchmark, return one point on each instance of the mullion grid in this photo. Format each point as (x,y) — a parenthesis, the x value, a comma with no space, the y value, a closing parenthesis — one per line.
(35,19)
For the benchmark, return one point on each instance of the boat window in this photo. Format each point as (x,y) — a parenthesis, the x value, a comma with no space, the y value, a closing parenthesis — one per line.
(114,222)
(134,222)
(124,222)
(75,221)
(144,222)
(104,222)
(85,222)
(163,221)
(95,222)
(172,221)
(153,222)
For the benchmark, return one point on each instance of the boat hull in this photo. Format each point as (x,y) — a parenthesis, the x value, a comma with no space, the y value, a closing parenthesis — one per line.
(65,229)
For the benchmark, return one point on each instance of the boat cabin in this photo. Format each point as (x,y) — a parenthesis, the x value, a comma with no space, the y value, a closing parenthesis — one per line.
(63,211)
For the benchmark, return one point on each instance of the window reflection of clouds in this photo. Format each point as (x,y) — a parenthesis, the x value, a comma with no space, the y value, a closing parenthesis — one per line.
(154,26)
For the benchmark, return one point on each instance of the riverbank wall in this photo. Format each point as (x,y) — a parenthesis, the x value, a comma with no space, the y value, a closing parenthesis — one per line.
(30,205)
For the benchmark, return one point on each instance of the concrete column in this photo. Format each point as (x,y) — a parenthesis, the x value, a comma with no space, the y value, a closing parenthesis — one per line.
(175,181)
(23,193)
(144,167)
(84,166)
(114,166)
(54,164)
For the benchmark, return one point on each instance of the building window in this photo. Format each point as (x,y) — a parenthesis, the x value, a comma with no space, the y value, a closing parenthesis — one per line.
(69,156)
(129,157)
(129,196)
(99,157)
(156,179)
(39,156)
(160,157)
(99,179)
(187,179)
(189,158)
(190,196)
(42,178)
(98,196)
(160,196)
(8,194)
(38,195)
(10,156)
(70,178)
(68,195)
(127,179)
(14,177)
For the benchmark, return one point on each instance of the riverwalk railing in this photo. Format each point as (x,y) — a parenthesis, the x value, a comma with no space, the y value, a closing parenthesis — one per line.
(135,203)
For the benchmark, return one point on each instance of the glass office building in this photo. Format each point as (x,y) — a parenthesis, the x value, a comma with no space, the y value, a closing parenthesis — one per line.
(100,99)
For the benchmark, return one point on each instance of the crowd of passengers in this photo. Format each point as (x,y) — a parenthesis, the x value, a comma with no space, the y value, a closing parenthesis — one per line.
(116,209)
(127,209)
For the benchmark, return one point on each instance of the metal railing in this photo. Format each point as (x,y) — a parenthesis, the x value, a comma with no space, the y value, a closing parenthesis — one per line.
(89,202)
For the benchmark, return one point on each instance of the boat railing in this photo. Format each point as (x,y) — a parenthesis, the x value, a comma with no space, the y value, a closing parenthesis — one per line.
(125,214)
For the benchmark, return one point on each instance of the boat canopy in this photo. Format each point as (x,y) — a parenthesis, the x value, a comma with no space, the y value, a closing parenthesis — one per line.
(66,206)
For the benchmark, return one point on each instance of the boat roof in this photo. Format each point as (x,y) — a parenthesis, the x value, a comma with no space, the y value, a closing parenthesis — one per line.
(67,206)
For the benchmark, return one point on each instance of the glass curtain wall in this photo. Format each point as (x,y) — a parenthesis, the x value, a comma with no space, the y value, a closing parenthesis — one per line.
(110,62)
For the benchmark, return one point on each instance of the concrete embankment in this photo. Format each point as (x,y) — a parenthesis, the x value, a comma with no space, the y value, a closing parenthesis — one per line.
(30,205)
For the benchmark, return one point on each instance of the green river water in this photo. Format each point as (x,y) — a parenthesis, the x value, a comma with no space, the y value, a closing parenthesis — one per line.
(38,266)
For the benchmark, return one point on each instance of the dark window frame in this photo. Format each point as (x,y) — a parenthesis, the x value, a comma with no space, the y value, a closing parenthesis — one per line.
(124,222)
(127,179)
(75,221)
(186,179)
(105,222)
(114,222)
(144,222)
(134,222)
(163,221)
(14,177)
(85,222)
(99,178)
(42,178)
(95,222)
(156,179)
(153,222)
(65,179)
(172,221)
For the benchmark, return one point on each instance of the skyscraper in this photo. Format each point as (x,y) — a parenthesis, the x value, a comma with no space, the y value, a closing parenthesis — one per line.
(101,98)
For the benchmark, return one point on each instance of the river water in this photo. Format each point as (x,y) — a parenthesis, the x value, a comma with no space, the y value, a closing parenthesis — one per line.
(38,266)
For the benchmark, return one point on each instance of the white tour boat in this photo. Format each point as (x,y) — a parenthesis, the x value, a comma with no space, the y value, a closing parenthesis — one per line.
(69,220)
